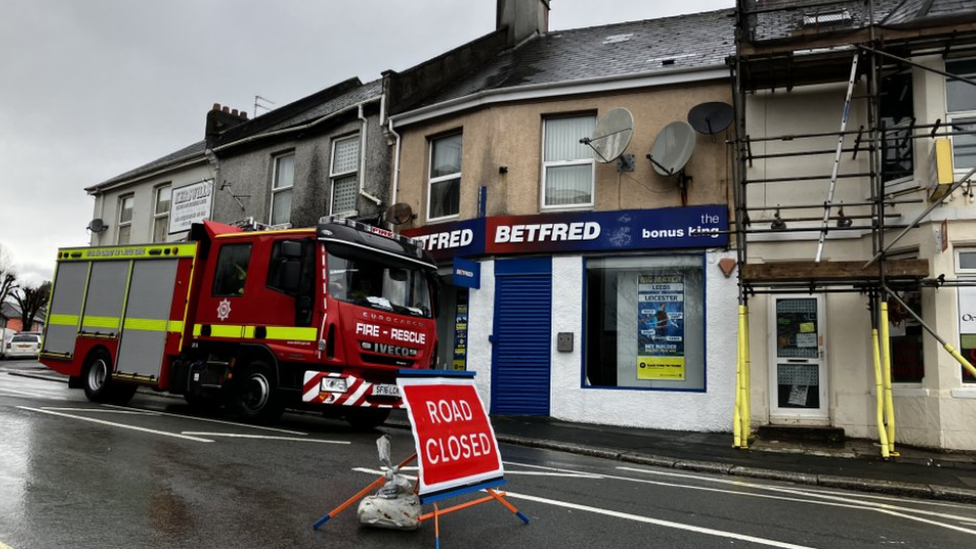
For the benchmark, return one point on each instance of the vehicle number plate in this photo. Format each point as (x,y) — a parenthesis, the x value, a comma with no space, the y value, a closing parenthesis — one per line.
(386,389)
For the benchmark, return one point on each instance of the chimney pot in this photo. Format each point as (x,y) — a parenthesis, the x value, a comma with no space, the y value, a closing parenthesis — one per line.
(244,115)
(216,107)
(234,112)
(225,109)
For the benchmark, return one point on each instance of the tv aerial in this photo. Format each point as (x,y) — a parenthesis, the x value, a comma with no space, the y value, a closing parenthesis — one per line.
(610,139)
(400,213)
(671,151)
(711,118)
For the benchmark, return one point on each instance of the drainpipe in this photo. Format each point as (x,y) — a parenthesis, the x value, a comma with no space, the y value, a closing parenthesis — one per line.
(362,161)
(215,168)
(396,165)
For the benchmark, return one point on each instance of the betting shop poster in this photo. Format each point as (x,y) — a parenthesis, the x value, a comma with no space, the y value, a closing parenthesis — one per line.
(661,327)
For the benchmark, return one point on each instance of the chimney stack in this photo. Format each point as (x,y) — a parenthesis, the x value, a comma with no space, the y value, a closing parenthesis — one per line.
(221,118)
(522,18)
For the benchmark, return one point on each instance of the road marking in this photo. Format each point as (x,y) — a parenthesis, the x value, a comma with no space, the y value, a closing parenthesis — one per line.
(102,410)
(113,424)
(841,501)
(5,546)
(636,518)
(249,426)
(657,522)
(553,474)
(29,394)
(264,437)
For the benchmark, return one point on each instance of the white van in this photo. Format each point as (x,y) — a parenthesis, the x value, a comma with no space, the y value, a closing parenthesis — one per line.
(6,334)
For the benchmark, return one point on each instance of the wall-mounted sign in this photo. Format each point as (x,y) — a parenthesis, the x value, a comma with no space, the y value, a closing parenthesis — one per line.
(461,333)
(190,204)
(467,274)
(658,229)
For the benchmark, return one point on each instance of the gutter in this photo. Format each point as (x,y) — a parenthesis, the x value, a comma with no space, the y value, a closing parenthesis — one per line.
(552,90)
(362,160)
(296,129)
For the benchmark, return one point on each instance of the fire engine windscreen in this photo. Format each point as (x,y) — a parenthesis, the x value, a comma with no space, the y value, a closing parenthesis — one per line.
(388,285)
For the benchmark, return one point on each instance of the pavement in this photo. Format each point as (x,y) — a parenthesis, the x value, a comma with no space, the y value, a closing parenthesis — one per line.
(855,465)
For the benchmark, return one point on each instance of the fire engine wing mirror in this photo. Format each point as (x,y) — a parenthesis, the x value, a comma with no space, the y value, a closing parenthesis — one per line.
(291,275)
(291,249)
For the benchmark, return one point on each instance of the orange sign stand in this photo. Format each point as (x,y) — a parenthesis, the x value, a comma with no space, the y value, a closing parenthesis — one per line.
(457,451)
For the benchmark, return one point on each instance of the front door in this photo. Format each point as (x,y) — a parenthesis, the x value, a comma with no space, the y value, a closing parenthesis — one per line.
(797,369)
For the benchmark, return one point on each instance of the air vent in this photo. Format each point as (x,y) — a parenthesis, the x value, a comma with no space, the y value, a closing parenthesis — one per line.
(671,59)
(832,18)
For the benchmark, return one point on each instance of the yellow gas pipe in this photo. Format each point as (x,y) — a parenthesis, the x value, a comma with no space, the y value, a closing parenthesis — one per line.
(879,394)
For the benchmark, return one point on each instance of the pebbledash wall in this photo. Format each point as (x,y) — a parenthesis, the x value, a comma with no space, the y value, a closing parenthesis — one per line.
(572,396)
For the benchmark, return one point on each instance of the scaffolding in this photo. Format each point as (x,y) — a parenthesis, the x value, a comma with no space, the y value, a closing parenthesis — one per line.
(784,45)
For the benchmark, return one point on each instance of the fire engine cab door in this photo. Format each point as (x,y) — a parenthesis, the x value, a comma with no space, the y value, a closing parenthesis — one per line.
(147,314)
(62,320)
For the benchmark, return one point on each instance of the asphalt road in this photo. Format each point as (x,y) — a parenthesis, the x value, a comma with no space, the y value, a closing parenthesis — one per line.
(77,474)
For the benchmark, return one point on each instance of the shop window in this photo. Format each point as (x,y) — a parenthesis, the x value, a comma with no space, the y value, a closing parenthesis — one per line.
(444,185)
(905,339)
(897,114)
(281,189)
(125,219)
(966,267)
(645,323)
(231,270)
(567,165)
(161,213)
(961,107)
(344,168)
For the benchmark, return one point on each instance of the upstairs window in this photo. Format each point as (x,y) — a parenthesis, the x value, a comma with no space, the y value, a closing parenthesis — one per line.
(344,175)
(444,184)
(897,114)
(961,112)
(567,165)
(125,219)
(163,200)
(281,189)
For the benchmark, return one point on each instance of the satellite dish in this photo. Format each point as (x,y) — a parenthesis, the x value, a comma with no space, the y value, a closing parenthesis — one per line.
(611,135)
(399,213)
(711,118)
(672,148)
(97,225)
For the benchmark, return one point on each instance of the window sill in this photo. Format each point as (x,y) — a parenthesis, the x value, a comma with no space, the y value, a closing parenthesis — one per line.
(907,390)
(965,392)
(443,219)
(567,208)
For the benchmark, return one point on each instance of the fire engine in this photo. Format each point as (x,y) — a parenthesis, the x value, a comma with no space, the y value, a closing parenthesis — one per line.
(254,320)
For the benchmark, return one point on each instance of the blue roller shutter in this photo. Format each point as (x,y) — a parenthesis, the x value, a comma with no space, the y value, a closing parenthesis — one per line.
(522,337)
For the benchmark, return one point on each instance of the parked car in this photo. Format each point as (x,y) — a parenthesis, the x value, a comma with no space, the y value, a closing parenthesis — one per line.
(24,345)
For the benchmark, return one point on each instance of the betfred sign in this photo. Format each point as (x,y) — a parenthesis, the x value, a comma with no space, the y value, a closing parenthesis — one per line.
(456,446)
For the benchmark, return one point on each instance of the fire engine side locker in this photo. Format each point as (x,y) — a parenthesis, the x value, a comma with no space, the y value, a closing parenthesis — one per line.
(146,318)
(65,314)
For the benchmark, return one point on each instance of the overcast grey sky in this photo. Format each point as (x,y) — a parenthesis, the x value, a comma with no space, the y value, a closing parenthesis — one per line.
(93,88)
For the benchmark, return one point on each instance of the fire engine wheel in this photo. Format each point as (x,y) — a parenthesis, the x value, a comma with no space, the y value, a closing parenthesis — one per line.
(256,395)
(364,419)
(97,380)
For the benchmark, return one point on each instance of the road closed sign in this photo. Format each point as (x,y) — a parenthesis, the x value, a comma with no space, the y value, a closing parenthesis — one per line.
(456,446)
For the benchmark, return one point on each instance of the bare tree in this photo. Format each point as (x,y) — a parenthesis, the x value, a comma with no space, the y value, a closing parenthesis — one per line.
(8,276)
(31,299)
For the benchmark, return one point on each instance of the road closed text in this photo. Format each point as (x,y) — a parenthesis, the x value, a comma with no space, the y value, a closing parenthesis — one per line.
(454,447)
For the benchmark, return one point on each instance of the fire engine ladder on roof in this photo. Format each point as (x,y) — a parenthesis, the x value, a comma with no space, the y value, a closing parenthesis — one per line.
(828,204)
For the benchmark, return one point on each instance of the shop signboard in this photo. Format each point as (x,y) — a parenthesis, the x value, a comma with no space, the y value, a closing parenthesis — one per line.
(568,232)
(661,327)
(190,204)
(467,274)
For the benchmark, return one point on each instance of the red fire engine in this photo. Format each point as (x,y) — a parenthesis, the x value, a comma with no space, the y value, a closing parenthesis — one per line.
(258,321)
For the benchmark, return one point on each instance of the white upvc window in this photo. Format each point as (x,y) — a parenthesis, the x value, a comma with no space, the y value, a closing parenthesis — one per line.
(162,201)
(568,168)
(344,174)
(444,182)
(125,219)
(281,188)
(961,112)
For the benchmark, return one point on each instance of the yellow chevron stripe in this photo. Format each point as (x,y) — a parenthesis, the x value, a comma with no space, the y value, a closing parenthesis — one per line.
(109,322)
(277,333)
(145,324)
(63,320)
(291,334)
(175,326)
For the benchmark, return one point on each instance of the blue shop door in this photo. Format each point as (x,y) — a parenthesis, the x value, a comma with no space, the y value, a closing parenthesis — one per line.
(522,337)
